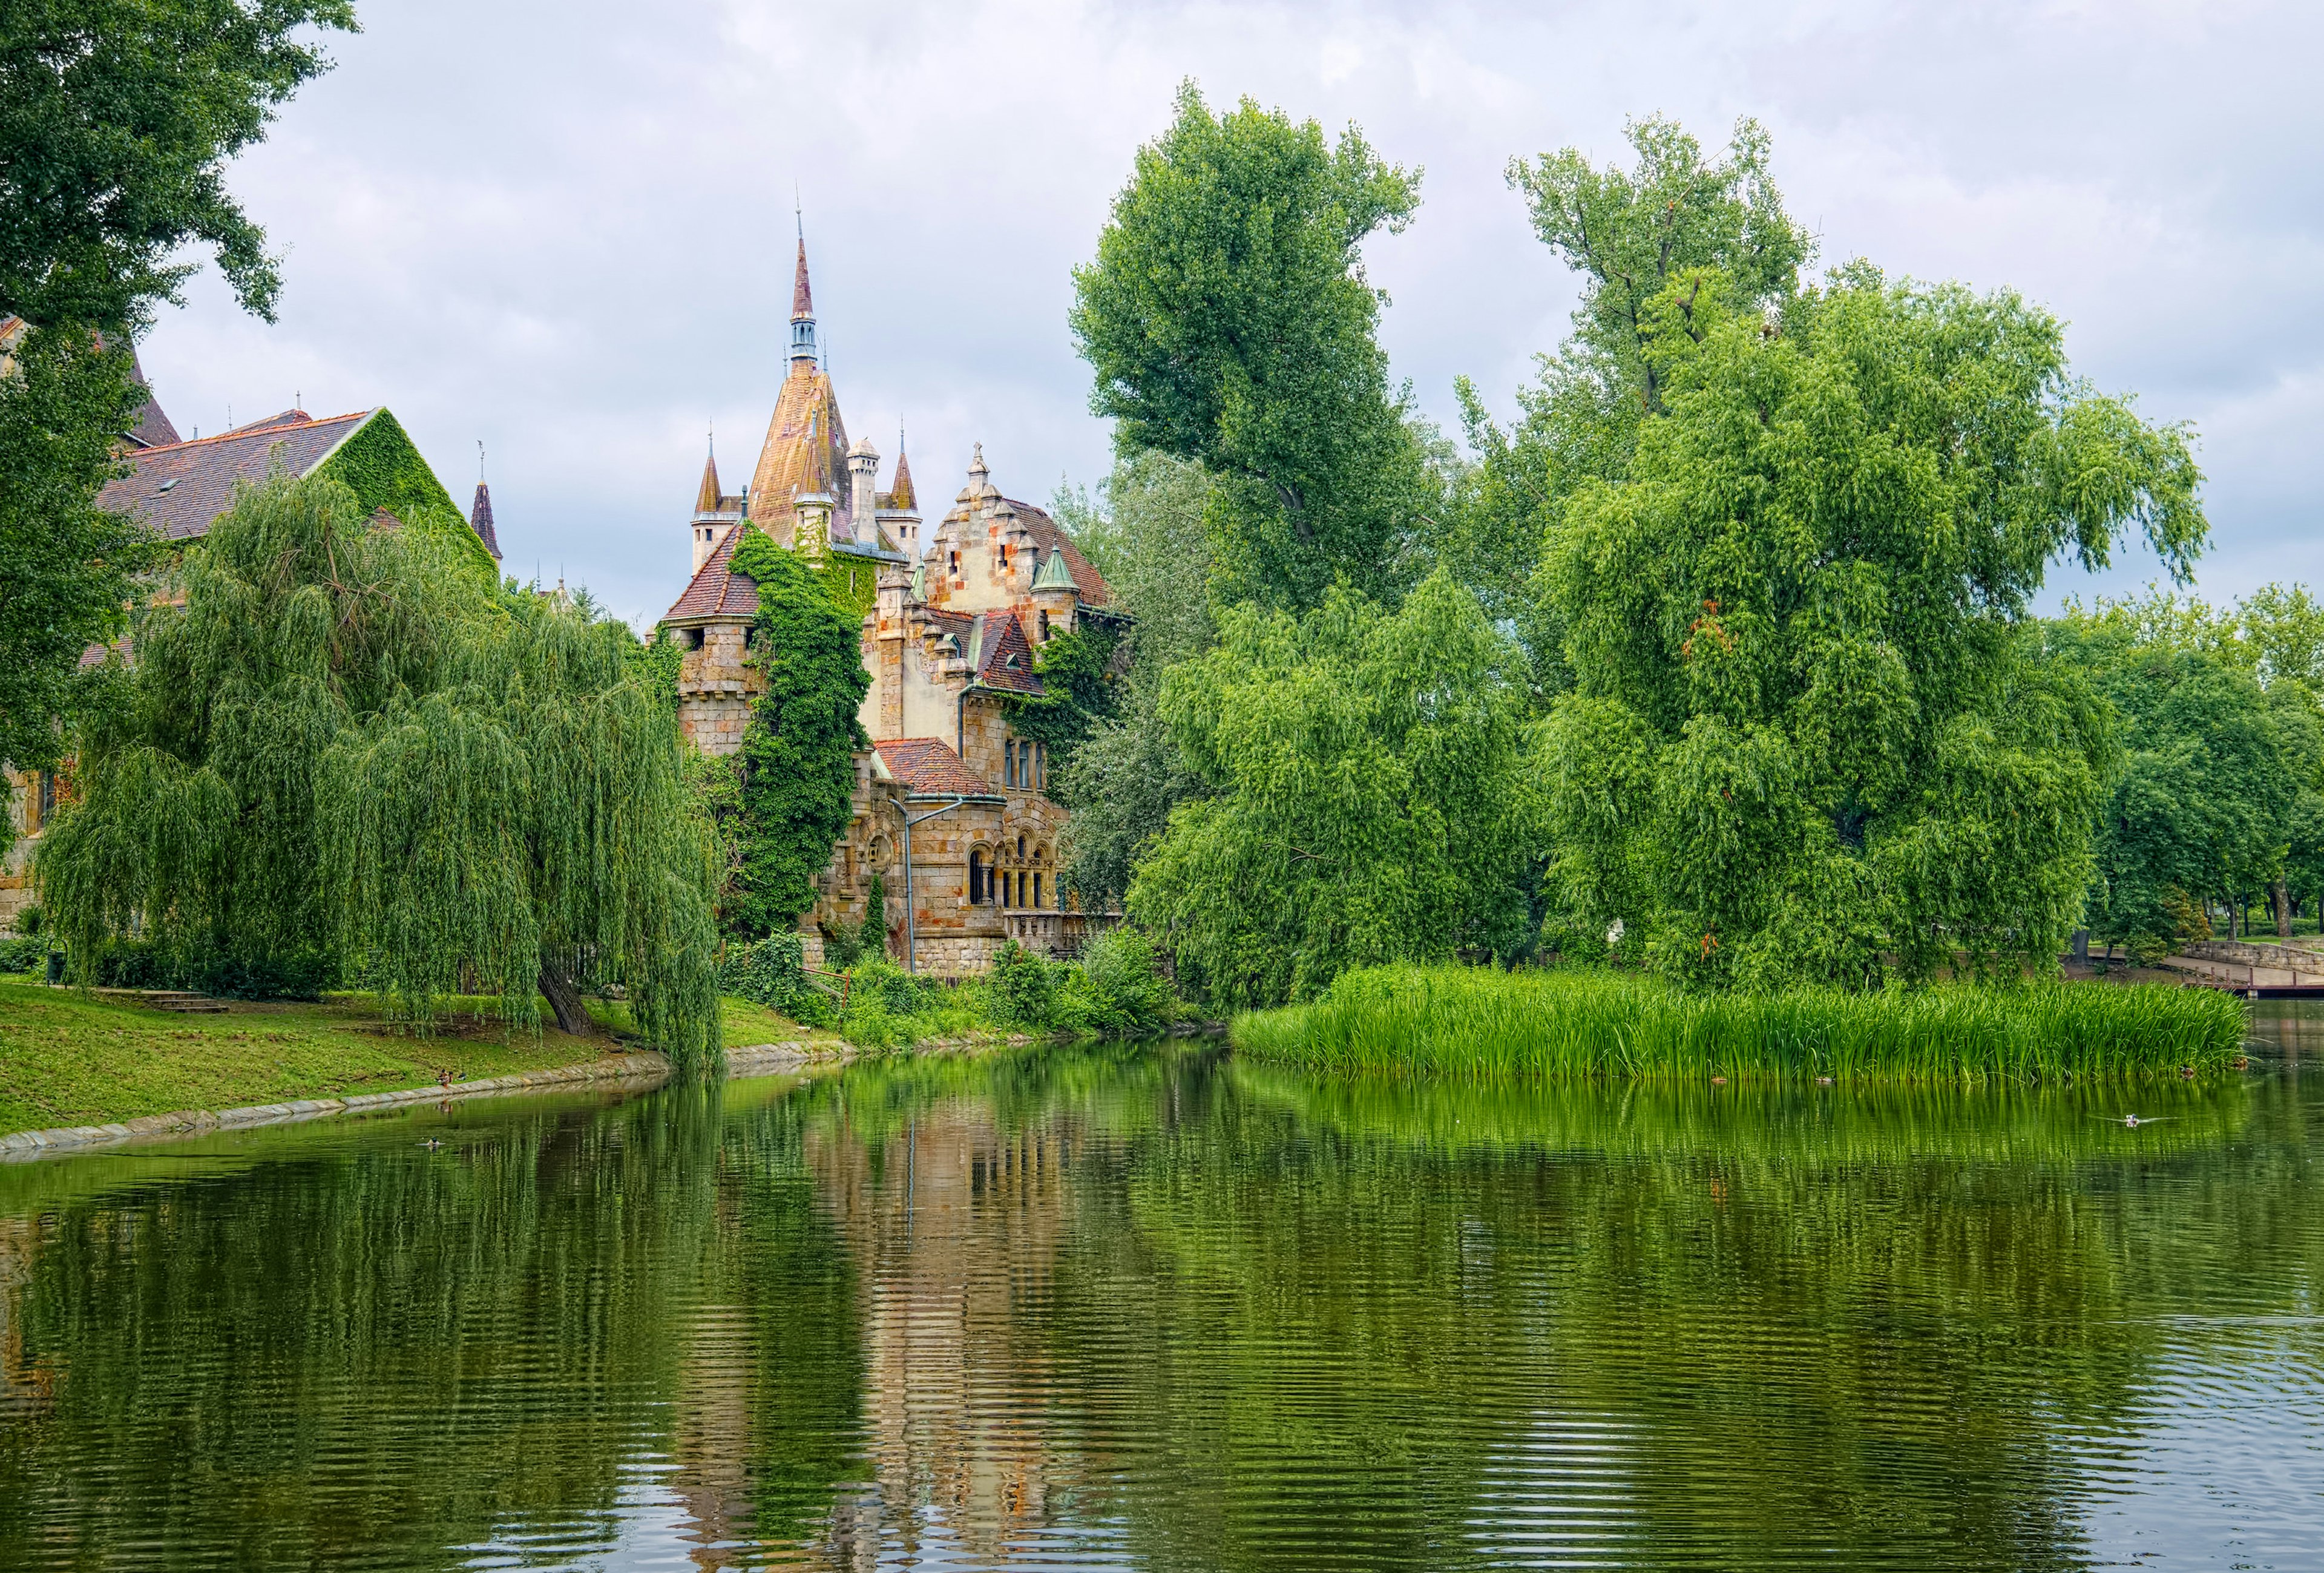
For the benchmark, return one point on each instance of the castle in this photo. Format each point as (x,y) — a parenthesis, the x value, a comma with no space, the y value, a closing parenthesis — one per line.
(951,805)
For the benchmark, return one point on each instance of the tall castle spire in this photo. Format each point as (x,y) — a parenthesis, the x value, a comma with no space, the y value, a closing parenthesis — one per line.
(803,354)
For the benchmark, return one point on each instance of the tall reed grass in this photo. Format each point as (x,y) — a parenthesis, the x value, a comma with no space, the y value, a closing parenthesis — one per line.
(1483,1024)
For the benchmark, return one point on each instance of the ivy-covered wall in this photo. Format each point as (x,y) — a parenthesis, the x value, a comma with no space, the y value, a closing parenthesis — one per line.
(852,582)
(382,466)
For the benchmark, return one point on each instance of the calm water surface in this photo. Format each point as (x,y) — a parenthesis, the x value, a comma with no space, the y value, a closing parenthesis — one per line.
(1159,1309)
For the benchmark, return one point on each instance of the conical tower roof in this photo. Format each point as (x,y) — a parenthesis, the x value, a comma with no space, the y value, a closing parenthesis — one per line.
(480,520)
(706,501)
(900,495)
(802,299)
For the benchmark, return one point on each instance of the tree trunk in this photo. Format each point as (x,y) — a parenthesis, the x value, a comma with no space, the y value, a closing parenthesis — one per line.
(565,1001)
(2280,898)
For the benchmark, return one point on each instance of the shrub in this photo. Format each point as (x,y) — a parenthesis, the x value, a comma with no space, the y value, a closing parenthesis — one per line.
(1023,987)
(1114,989)
(23,952)
(773,973)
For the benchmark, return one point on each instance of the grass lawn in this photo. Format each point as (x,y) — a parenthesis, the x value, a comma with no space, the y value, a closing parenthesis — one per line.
(70,1059)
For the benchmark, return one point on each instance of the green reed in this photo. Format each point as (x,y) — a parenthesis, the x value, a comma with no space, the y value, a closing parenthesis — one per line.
(1484,1024)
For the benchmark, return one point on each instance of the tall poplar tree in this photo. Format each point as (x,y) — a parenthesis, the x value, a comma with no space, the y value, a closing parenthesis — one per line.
(1227,320)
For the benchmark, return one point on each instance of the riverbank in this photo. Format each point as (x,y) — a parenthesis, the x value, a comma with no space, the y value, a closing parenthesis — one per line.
(70,1059)
(1481,1024)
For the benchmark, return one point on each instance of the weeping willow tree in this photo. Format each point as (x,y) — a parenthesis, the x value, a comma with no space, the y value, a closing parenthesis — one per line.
(343,738)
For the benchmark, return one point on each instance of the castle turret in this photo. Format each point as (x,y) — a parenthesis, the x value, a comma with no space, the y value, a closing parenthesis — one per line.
(862,492)
(715,513)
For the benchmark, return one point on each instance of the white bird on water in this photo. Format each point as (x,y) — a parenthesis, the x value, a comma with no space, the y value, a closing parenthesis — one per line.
(2133,1121)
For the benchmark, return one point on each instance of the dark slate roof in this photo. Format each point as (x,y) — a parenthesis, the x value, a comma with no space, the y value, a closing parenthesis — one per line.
(929,767)
(480,520)
(153,428)
(717,592)
(1052,537)
(180,488)
(1004,656)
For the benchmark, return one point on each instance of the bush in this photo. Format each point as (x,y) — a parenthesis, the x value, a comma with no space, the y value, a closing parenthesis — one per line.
(28,920)
(1114,989)
(1023,987)
(22,953)
(300,974)
(773,973)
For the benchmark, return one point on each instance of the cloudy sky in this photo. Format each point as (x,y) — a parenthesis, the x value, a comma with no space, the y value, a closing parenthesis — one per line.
(567,229)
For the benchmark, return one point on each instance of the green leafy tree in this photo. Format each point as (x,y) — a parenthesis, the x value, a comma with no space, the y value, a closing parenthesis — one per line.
(1365,796)
(117,119)
(1628,235)
(66,567)
(1229,321)
(1145,532)
(1801,614)
(797,768)
(2213,661)
(343,741)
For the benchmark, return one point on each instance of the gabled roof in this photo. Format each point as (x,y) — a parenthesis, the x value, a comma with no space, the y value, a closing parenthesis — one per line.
(480,520)
(180,487)
(930,768)
(1052,539)
(1002,655)
(716,593)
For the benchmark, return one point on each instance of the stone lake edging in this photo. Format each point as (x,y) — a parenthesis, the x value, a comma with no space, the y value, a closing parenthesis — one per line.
(756,1059)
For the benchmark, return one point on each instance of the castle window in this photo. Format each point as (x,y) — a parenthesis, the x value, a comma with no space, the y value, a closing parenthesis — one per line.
(955,563)
(1045,627)
(1037,892)
(1020,849)
(1008,764)
(1021,887)
(978,879)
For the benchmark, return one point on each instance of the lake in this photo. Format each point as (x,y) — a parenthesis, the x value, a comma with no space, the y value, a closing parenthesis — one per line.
(1153,1308)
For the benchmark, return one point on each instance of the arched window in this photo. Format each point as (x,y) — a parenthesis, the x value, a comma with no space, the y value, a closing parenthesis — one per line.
(978,878)
(1020,849)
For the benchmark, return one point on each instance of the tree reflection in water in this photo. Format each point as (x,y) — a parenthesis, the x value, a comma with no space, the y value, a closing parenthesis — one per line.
(1152,1308)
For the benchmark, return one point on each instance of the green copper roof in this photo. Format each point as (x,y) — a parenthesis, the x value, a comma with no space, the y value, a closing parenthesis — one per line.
(1055,575)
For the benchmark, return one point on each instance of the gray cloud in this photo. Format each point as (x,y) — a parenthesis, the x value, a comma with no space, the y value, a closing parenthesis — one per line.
(567,230)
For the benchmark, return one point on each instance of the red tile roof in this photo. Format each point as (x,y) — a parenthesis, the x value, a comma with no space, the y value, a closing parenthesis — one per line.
(716,592)
(1004,656)
(1051,537)
(180,488)
(929,767)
